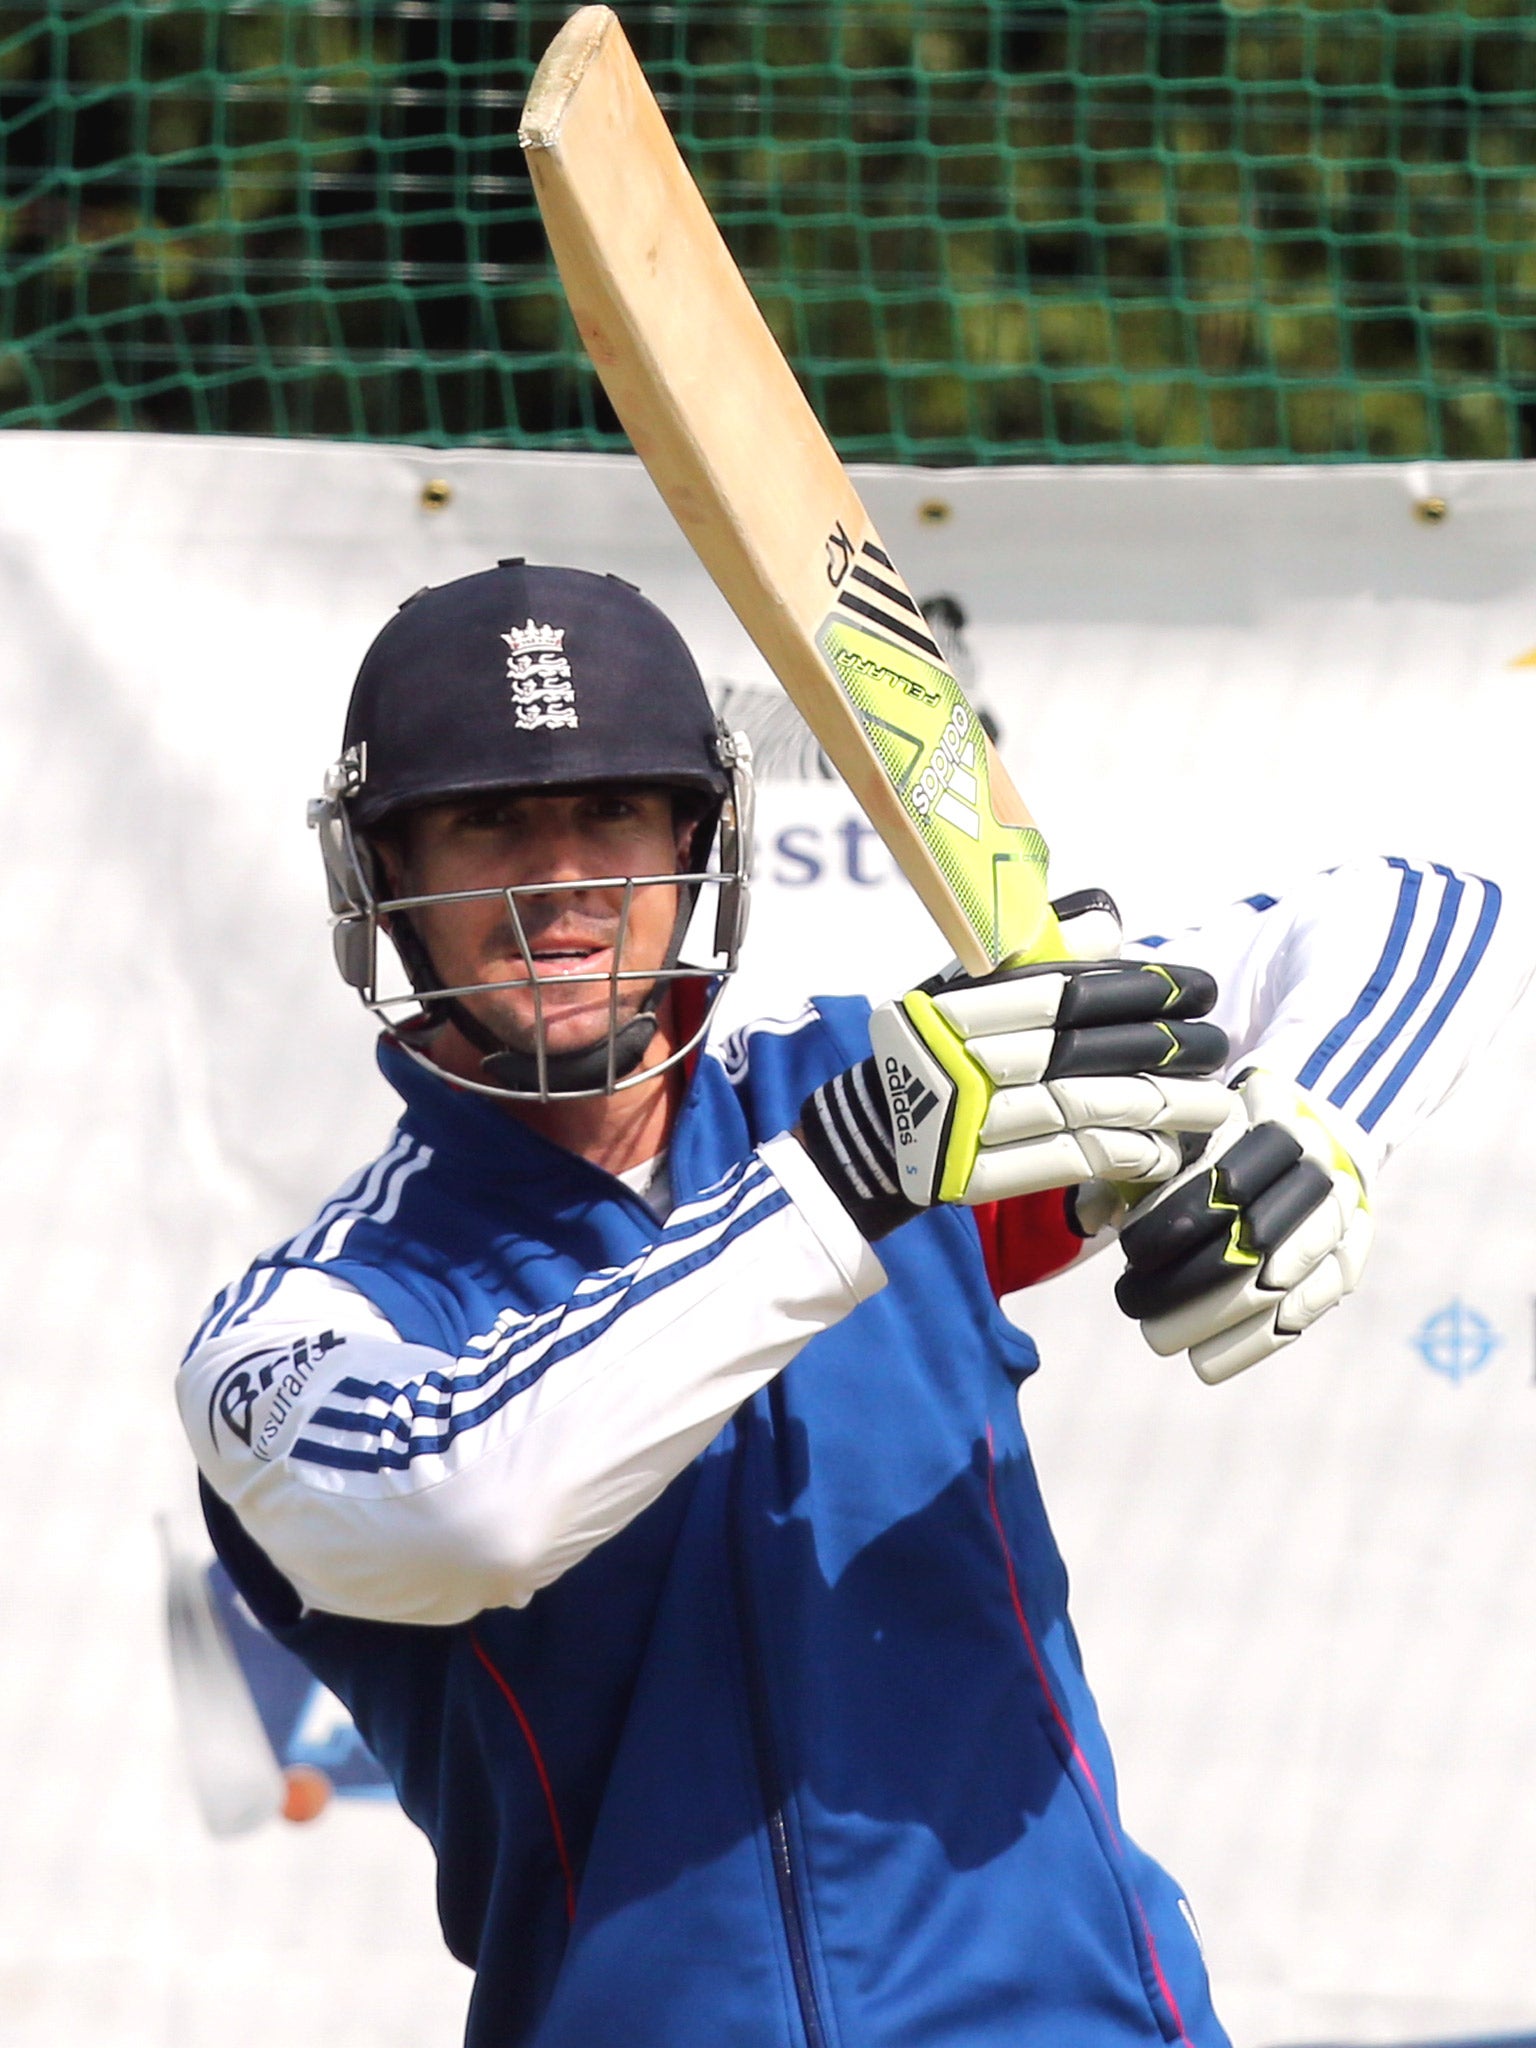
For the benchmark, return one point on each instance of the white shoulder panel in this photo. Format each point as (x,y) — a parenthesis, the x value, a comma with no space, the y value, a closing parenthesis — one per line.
(1373,985)
(400,1483)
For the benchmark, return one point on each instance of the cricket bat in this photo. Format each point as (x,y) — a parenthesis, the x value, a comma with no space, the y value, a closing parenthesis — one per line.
(715,414)
(235,1775)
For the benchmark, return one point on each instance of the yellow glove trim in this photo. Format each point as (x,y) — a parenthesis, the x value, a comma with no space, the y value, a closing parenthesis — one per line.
(1173,987)
(973,1093)
(1237,1253)
(1338,1158)
(1173,1042)
(1301,1110)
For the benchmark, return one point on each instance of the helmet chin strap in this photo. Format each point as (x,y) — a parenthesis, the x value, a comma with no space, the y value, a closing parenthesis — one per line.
(565,1073)
(505,1066)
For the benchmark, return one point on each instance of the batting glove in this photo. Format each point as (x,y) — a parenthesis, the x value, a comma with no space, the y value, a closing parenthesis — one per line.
(981,1088)
(1263,1234)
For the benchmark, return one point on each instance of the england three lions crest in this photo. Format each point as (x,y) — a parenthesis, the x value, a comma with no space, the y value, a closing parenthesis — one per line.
(543,694)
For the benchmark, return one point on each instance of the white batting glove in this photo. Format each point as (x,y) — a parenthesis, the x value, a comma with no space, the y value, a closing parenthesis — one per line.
(1262,1235)
(1014,1082)
(1041,1077)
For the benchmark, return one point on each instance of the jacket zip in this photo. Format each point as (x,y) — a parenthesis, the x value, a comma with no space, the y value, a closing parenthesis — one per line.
(790,1910)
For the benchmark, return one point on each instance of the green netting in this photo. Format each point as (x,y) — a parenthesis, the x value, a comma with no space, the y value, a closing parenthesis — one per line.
(1088,229)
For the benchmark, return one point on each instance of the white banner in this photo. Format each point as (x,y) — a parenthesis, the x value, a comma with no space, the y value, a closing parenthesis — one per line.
(1303,1597)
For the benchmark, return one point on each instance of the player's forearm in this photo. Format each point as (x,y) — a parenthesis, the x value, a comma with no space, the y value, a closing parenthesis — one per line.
(403,1484)
(1372,986)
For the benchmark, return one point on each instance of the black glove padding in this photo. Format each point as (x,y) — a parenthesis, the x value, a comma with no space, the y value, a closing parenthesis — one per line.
(1223,1222)
(1028,1078)
(1265,1233)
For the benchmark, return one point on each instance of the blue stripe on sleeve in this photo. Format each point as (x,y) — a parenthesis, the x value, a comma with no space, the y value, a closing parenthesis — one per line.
(1419,987)
(221,1301)
(723,1201)
(233,1303)
(362,1196)
(529,1330)
(1389,1090)
(1380,976)
(238,1302)
(389,1459)
(258,1300)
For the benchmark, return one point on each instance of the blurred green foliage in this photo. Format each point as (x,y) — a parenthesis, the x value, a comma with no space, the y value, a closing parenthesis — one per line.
(984,231)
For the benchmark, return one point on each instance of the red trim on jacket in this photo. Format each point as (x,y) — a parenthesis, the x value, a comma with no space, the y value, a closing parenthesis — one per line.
(482,1656)
(1026,1239)
(690,1004)
(1068,1735)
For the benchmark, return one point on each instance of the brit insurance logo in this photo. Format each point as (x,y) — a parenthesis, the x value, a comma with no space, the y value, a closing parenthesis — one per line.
(539,678)
(254,1399)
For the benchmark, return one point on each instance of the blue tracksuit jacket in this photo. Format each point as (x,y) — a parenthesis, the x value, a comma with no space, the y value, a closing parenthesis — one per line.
(804,1756)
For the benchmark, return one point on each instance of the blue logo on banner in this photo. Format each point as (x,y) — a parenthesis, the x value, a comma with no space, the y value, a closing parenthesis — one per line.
(1456,1341)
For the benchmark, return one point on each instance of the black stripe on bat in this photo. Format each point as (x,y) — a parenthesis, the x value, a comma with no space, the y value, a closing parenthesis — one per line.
(909,633)
(886,590)
(875,555)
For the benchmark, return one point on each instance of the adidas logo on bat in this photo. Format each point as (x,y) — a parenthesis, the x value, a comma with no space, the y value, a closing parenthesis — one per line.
(910,1097)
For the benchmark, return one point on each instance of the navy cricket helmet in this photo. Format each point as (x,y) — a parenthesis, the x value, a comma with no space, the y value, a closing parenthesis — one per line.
(530,679)
(527,678)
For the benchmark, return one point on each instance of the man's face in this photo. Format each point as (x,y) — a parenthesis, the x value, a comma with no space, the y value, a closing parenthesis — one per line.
(576,839)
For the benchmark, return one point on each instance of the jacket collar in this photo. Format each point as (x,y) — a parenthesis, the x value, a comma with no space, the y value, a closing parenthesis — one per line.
(479,1136)
(500,1152)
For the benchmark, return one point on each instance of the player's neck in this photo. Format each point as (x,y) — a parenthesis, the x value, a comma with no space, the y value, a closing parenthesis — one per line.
(614,1132)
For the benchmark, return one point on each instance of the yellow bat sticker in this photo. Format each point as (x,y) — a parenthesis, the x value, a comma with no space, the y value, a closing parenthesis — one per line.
(931,745)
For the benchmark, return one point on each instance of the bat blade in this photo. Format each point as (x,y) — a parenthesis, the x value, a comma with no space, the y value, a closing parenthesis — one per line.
(715,414)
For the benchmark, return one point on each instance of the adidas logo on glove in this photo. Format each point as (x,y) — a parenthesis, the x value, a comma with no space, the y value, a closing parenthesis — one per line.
(910,1099)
